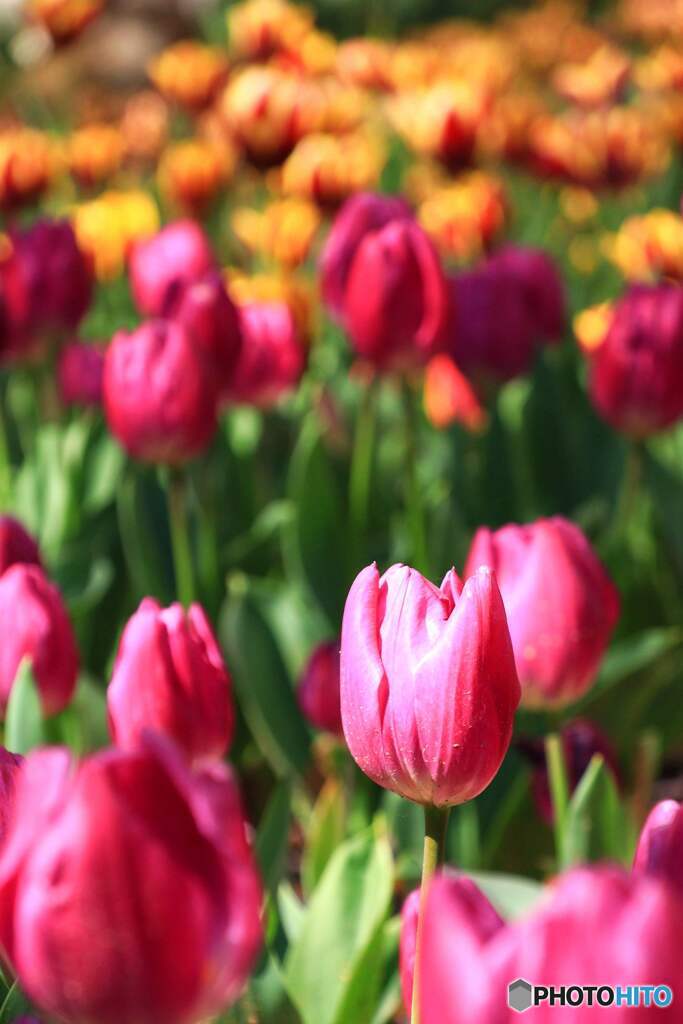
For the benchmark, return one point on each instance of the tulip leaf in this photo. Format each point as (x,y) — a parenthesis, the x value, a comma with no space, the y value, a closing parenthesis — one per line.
(142,518)
(631,655)
(273,835)
(261,683)
(597,826)
(24,726)
(511,895)
(325,833)
(13,1004)
(334,969)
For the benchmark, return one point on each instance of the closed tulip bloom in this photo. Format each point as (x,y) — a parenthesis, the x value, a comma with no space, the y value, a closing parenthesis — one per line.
(561,605)
(361,214)
(636,371)
(169,676)
(660,847)
(596,926)
(9,769)
(541,285)
(176,255)
(273,356)
(396,302)
(428,683)
(159,393)
(34,625)
(16,545)
(206,311)
(79,374)
(319,689)
(124,897)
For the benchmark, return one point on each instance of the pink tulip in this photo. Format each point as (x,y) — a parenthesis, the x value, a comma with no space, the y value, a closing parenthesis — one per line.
(561,605)
(9,769)
(273,355)
(16,545)
(177,255)
(319,689)
(428,683)
(660,847)
(169,676)
(79,374)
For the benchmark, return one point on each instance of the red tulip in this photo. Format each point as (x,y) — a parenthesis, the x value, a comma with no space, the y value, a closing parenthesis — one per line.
(204,308)
(361,214)
(169,676)
(636,373)
(273,356)
(79,374)
(319,689)
(159,394)
(561,605)
(175,256)
(16,545)
(660,847)
(9,769)
(597,926)
(428,683)
(34,624)
(128,893)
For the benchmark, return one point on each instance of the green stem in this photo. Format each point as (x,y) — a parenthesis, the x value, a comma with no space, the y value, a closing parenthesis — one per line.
(414,503)
(361,468)
(559,788)
(628,494)
(180,537)
(5,461)
(436,827)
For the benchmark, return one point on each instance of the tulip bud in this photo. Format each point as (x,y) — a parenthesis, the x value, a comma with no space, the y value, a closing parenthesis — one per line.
(16,545)
(395,302)
(34,624)
(169,676)
(125,868)
(541,286)
(79,374)
(561,605)
(159,395)
(428,683)
(175,256)
(361,214)
(660,847)
(272,358)
(319,689)
(636,370)
(206,311)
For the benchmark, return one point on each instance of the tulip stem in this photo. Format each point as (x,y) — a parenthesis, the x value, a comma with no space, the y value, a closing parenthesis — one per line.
(361,468)
(434,855)
(180,537)
(559,788)
(413,493)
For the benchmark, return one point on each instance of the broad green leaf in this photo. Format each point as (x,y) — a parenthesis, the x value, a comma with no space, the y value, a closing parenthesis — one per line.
(597,826)
(390,997)
(631,655)
(511,895)
(143,527)
(292,911)
(13,1005)
(104,468)
(332,970)
(273,834)
(24,725)
(325,833)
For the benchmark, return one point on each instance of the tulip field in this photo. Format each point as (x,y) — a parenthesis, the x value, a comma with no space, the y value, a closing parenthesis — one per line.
(341,512)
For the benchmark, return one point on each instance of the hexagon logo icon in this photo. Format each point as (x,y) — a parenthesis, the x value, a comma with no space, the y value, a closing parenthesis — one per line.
(519,995)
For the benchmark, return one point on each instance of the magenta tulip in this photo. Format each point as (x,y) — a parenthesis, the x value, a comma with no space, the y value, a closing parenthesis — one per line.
(319,689)
(34,624)
(16,545)
(177,255)
(540,285)
(9,769)
(169,676)
(204,308)
(79,374)
(159,393)
(660,847)
(428,683)
(273,355)
(561,605)
(128,892)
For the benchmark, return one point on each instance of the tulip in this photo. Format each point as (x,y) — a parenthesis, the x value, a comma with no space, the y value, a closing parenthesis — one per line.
(395,301)
(9,769)
(34,624)
(597,926)
(79,374)
(192,172)
(636,369)
(360,215)
(660,846)
(561,605)
(16,545)
(27,165)
(319,689)
(169,676)
(273,356)
(428,683)
(541,286)
(95,154)
(159,393)
(175,256)
(204,308)
(65,19)
(189,74)
(128,892)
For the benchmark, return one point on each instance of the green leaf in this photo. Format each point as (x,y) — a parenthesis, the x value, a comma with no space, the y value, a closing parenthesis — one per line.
(631,655)
(325,833)
(104,468)
(511,895)
(261,683)
(597,826)
(143,527)
(273,834)
(13,1005)
(24,726)
(333,970)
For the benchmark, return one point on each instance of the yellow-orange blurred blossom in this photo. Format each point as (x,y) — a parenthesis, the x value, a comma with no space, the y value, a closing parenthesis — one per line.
(596,82)
(506,126)
(441,121)
(591,325)
(192,172)
(107,228)
(464,218)
(282,232)
(64,19)
(551,33)
(144,126)
(660,70)
(329,168)
(365,63)
(449,397)
(314,54)
(649,247)
(260,28)
(27,165)
(298,293)
(95,153)
(651,19)
(189,74)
